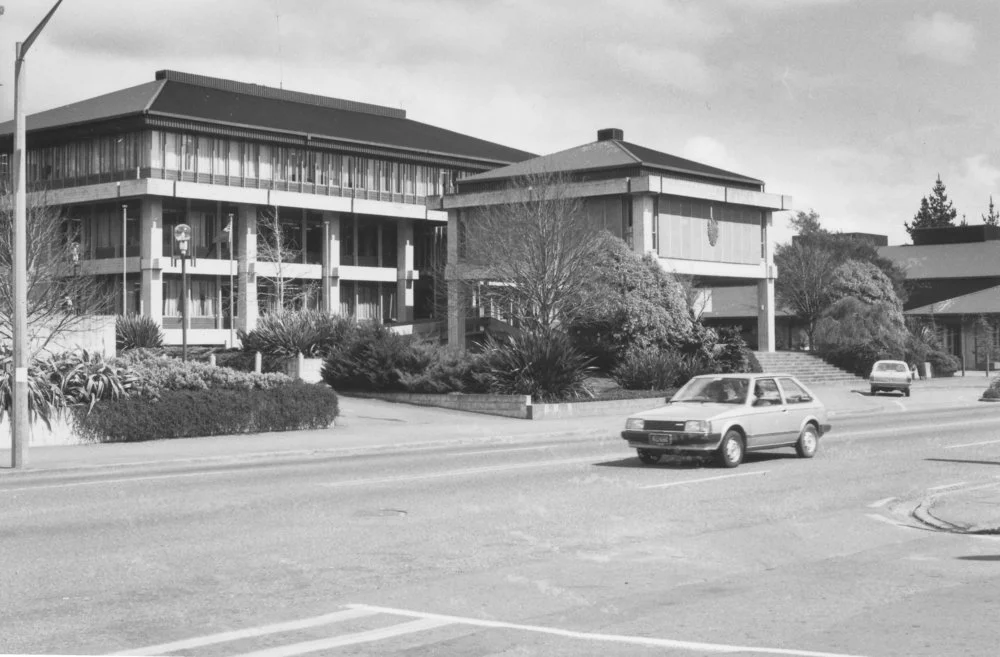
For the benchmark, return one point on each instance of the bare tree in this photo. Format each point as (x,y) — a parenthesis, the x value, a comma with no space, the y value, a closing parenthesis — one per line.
(59,297)
(273,246)
(532,254)
(805,283)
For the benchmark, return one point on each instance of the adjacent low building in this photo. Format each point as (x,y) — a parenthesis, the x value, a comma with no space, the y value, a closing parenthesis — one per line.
(698,221)
(346,183)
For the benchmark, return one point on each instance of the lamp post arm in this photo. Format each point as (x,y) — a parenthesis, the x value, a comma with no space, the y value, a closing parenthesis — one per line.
(34,33)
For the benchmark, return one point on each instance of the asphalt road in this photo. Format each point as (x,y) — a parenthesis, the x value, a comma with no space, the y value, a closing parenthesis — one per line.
(569,547)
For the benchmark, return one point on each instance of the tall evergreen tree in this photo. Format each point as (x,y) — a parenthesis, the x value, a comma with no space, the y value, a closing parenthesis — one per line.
(935,211)
(991,218)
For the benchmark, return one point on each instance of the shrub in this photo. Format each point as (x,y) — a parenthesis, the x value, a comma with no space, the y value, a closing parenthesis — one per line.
(446,370)
(372,358)
(649,369)
(732,353)
(137,332)
(993,391)
(542,364)
(943,364)
(190,413)
(855,358)
(45,398)
(291,332)
(155,375)
(85,378)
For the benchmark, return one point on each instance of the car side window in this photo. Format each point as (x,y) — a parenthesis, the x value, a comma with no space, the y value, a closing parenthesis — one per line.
(766,393)
(794,393)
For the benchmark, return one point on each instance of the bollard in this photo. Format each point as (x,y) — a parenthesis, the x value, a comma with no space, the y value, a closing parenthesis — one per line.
(258,362)
(211,359)
(300,366)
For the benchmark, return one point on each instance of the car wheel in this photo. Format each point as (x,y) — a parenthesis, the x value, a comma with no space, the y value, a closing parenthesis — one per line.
(647,457)
(906,392)
(874,390)
(731,450)
(808,442)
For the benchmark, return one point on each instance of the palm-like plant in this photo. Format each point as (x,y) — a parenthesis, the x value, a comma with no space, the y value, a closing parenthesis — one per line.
(85,378)
(45,399)
(137,332)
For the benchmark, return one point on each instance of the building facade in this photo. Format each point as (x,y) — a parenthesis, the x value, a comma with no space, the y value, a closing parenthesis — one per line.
(698,221)
(293,199)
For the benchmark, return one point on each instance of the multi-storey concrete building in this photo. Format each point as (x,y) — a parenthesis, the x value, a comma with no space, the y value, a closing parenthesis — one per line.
(346,183)
(699,221)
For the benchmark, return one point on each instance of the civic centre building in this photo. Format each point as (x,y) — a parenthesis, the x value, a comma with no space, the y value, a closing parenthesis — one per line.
(346,183)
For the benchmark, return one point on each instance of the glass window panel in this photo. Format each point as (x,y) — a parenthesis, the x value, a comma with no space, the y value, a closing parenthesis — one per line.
(235,159)
(266,170)
(347,241)
(189,148)
(171,152)
(205,155)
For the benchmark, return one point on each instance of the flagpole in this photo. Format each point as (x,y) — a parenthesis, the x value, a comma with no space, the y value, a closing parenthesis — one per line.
(232,290)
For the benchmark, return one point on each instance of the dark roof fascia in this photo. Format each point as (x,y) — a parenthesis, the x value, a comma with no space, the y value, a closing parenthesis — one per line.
(78,130)
(305,138)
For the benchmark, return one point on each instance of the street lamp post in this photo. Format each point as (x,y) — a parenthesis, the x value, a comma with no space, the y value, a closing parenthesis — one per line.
(182,235)
(19,427)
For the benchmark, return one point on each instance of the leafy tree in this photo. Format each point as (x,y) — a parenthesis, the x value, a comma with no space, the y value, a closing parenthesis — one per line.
(866,282)
(991,218)
(806,224)
(641,306)
(935,211)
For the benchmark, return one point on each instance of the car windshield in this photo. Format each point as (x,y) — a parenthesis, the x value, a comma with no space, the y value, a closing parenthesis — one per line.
(890,367)
(717,391)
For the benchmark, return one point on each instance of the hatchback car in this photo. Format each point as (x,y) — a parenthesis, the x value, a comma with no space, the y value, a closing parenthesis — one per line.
(728,415)
(890,375)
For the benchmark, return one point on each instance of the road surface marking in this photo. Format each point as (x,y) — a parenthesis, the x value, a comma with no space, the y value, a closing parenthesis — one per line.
(505,449)
(262,630)
(698,481)
(614,638)
(882,502)
(943,486)
(985,442)
(350,639)
(460,473)
(900,404)
(117,480)
(888,521)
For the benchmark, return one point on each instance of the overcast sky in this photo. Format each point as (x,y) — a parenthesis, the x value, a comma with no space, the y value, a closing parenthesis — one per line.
(851,107)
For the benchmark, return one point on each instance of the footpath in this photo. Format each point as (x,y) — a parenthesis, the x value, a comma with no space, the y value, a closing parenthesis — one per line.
(368,425)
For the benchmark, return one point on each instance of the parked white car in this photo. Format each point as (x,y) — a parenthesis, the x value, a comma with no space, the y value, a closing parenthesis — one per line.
(890,375)
(728,415)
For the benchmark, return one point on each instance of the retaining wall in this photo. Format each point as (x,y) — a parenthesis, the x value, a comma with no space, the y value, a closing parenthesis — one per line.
(517,406)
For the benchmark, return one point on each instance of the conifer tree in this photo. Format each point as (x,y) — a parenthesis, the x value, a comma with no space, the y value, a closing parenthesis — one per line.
(991,218)
(936,210)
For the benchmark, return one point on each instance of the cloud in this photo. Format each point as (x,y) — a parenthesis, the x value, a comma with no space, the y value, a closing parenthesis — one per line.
(665,67)
(979,171)
(710,151)
(941,37)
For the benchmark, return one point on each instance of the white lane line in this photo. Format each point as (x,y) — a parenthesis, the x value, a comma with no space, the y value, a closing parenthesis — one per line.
(349,639)
(698,481)
(460,473)
(262,630)
(882,502)
(497,451)
(900,404)
(985,442)
(117,480)
(944,486)
(614,638)
(888,521)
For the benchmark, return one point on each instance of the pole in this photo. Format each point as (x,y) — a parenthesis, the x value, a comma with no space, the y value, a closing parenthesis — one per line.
(19,409)
(124,259)
(19,426)
(232,290)
(184,308)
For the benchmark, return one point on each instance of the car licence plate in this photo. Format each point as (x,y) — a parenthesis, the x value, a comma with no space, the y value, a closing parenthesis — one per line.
(660,438)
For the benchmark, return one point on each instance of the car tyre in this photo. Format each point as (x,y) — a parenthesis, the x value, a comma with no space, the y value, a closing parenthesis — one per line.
(647,457)
(732,449)
(808,442)
(874,390)
(907,392)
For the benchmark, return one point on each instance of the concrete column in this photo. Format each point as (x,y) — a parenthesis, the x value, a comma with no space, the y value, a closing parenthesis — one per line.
(457,308)
(642,224)
(404,264)
(151,252)
(331,263)
(765,289)
(246,276)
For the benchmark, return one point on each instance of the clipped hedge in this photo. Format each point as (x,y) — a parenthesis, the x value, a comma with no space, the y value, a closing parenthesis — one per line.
(156,375)
(192,413)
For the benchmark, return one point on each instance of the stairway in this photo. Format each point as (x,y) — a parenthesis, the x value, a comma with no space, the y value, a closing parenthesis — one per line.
(805,367)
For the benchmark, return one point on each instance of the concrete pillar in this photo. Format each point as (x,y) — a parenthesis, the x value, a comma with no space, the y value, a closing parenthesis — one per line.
(246,275)
(457,308)
(642,224)
(765,289)
(331,263)
(151,252)
(404,265)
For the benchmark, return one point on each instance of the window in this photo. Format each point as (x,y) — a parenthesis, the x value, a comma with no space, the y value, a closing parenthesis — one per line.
(794,393)
(235,159)
(265,162)
(347,241)
(766,393)
(189,148)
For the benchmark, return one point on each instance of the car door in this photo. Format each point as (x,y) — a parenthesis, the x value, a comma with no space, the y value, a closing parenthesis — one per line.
(799,404)
(768,415)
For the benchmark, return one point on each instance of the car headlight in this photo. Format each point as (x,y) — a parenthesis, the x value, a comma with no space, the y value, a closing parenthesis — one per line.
(634,424)
(696,426)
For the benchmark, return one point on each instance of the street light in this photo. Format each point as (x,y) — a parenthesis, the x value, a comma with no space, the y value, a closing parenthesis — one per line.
(19,426)
(182,235)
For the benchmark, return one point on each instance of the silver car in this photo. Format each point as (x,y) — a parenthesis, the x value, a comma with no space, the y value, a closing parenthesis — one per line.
(890,375)
(728,415)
